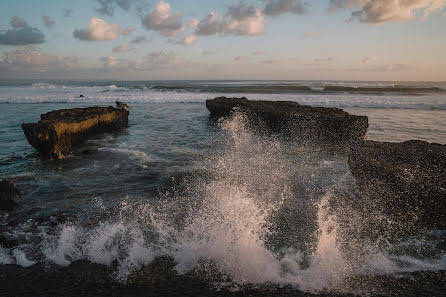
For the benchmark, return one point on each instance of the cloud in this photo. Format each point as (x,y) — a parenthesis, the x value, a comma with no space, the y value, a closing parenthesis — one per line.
(28,59)
(160,19)
(382,11)
(208,53)
(241,58)
(341,4)
(269,61)
(122,48)
(47,21)
(98,30)
(189,39)
(128,30)
(68,13)
(278,7)
(110,61)
(21,33)
(391,68)
(368,60)
(107,7)
(323,60)
(241,19)
(139,39)
(160,60)
(258,53)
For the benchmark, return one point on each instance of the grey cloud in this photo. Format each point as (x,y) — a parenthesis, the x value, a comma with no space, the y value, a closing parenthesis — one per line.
(139,39)
(28,59)
(240,19)
(160,19)
(97,30)
(107,7)
(21,34)
(67,12)
(278,7)
(211,25)
(383,11)
(341,4)
(47,21)
(241,11)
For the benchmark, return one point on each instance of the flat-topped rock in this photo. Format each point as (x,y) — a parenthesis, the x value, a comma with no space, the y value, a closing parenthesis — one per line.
(59,130)
(406,181)
(326,125)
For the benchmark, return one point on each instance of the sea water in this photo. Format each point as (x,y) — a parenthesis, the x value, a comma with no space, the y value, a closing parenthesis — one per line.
(258,209)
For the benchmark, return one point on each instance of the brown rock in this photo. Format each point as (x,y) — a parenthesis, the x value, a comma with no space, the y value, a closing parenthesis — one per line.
(59,130)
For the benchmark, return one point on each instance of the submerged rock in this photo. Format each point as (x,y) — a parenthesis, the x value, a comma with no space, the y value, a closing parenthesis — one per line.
(406,181)
(59,130)
(324,125)
(8,192)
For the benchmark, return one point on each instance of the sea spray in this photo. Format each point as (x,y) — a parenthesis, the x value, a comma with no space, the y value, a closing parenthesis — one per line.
(258,211)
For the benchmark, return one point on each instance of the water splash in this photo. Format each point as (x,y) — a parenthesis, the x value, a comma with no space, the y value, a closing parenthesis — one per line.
(231,215)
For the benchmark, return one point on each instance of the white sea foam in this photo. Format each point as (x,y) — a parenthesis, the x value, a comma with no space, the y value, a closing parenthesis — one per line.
(108,94)
(227,219)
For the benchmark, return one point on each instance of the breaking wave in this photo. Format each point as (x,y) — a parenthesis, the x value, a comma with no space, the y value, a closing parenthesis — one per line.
(259,212)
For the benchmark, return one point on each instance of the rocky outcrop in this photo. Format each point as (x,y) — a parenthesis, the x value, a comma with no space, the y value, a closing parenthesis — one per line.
(8,192)
(324,125)
(58,131)
(406,181)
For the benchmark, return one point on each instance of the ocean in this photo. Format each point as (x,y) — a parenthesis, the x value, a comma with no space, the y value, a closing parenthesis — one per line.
(257,209)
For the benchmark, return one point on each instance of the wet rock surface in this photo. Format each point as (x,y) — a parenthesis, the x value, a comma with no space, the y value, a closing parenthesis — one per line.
(8,192)
(323,125)
(406,181)
(58,131)
(83,278)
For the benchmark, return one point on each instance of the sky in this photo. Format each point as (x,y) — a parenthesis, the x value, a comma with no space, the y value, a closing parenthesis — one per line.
(400,40)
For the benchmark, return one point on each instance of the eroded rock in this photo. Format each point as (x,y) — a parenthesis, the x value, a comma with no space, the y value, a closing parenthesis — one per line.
(58,131)
(310,124)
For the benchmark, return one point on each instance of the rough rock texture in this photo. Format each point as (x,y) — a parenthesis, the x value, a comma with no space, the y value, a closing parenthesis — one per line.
(325,125)
(406,181)
(8,192)
(83,278)
(57,131)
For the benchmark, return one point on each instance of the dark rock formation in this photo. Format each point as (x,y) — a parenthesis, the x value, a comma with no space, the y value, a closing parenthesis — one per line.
(406,181)
(310,124)
(159,279)
(8,192)
(57,131)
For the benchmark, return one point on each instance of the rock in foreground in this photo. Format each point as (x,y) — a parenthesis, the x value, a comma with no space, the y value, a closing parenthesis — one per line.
(406,181)
(58,131)
(8,192)
(309,124)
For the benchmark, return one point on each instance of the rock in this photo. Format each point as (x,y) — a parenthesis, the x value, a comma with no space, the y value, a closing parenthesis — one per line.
(406,181)
(310,124)
(8,192)
(59,130)
(81,96)
(89,151)
(122,105)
